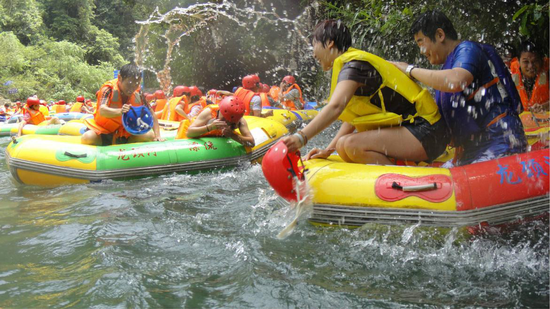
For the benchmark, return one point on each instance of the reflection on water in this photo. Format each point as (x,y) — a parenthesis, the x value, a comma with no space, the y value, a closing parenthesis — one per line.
(209,240)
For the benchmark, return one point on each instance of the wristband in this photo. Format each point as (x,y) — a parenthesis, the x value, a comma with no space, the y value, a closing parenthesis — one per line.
(300,138)
(304,137)
(409,69)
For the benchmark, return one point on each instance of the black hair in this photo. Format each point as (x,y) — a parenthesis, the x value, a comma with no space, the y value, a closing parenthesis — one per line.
(430,21)
(333,30)
(529,46)
(130,70)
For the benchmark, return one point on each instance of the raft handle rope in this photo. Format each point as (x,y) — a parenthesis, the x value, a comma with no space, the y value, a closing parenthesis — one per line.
(76,156)
(426,187)
(291,168)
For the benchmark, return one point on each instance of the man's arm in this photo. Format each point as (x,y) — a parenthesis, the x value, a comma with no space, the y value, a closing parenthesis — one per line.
(181,112)
(451,80)
(245,138)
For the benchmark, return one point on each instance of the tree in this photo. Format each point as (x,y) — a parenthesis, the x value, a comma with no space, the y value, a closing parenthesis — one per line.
(22,17)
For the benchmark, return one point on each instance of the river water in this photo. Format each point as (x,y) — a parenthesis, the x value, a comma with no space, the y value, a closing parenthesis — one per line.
(209,240)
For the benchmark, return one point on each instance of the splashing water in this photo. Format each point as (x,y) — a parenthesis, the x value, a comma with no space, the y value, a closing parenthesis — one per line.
(181,30)
(302,206)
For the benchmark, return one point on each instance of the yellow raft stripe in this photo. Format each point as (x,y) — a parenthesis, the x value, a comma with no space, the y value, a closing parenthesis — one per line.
(347,184)
(46,180)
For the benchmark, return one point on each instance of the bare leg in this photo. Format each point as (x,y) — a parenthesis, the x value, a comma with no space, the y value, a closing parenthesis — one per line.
(375,146)
(90,138)
(147,137)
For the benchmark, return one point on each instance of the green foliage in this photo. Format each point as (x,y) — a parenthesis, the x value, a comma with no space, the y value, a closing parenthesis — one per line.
(22,17)
(533,20)
(382,26)
(52,70)
(102,47)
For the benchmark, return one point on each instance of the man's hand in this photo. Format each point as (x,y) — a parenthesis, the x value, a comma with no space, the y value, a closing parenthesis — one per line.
(125,108)
(219,125)
(317,153)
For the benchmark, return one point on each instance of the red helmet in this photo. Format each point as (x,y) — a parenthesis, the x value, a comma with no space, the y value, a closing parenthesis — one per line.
(279,167)
(43,102)
(250,81)
(265,88)
(18,103)
(33,101)
(80,99)
(232,109)
(178,91)
(256,78)
(212,92)
(289,79)
(194,90)
(159,94)
(150,97)
(61,102)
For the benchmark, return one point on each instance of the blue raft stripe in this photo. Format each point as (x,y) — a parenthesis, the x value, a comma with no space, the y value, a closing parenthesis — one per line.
(297,115)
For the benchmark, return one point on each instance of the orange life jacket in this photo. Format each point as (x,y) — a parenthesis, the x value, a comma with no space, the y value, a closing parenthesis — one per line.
(289,103)
(246,96)
(184,125)
(265,100)
(160,104)
(189,106)
(274,92)
(539,94)
(76,108)
(36,116)
(104,125)
(169,111)
(60,108)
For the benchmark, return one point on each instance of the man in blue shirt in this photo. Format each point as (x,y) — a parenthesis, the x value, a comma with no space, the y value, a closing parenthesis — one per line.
(481,112)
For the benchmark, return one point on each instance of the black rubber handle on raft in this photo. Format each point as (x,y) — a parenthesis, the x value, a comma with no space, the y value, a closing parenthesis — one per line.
(426,187)
(14,140)
(76,156)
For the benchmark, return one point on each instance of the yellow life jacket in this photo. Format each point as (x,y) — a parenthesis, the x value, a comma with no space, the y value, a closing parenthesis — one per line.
(77,107)
(364,115)
(44,110)
(169,111)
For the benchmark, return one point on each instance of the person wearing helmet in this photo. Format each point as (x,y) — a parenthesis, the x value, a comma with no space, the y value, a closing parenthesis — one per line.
(160,101)
(220,120)
(249,93)
(216,96)
(290,94)
(18,108)
(80,106)
(60,107)
(33,115)
(197,103)
(114,99)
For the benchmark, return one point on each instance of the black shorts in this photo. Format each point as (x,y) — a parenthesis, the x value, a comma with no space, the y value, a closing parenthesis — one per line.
(107,139)
(434,138)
